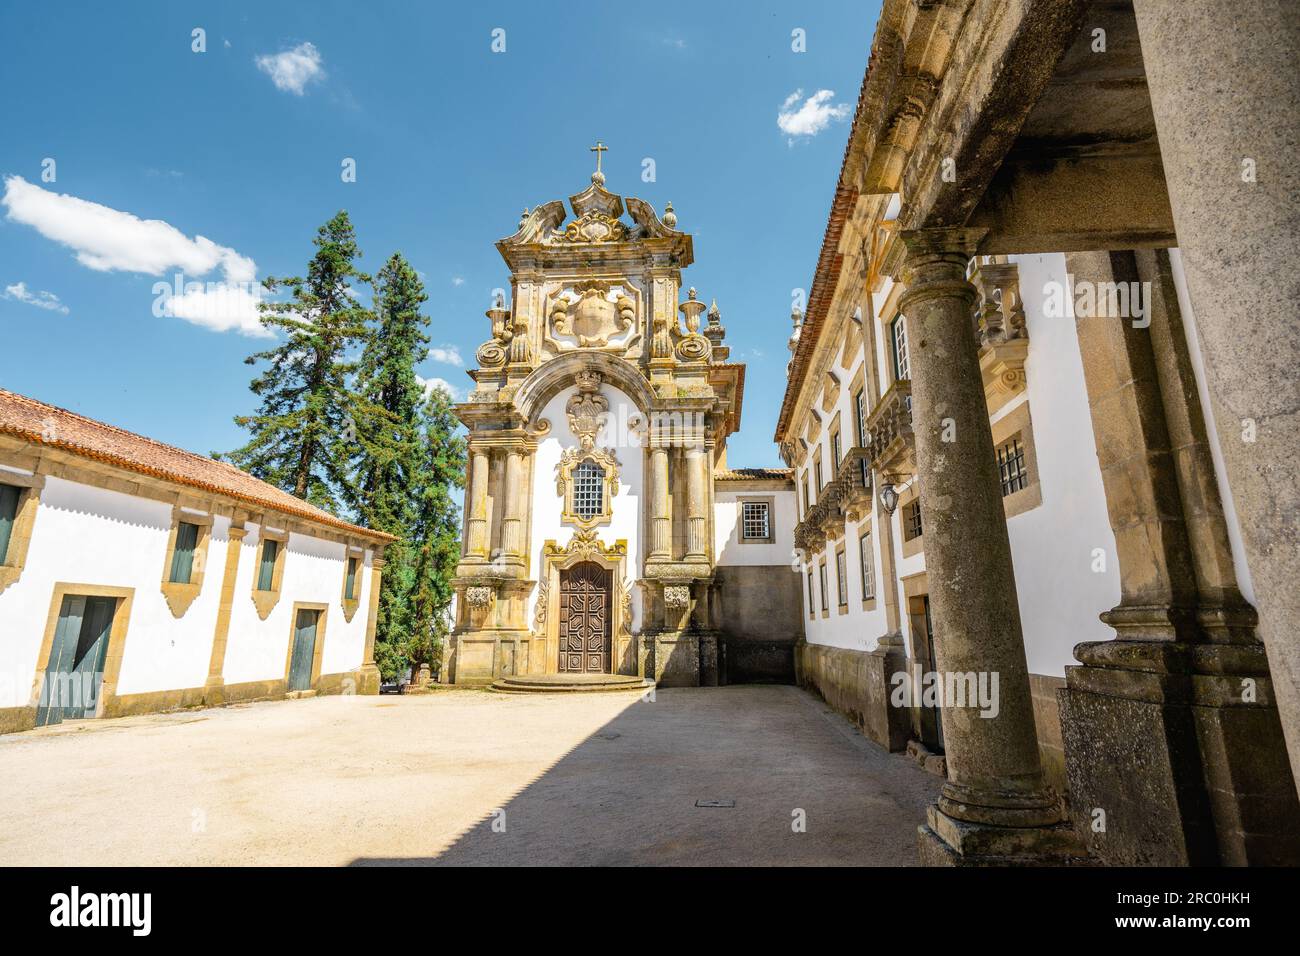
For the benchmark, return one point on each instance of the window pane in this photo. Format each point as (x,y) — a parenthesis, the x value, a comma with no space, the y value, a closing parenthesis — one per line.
(841,579)
(868,573)
(902,367)
(187,538)
(350,589)
(8,514)
(588,490)
(754,520)
(266,573)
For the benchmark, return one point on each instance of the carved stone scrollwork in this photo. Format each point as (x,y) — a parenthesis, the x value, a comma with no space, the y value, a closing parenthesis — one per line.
(677,595)
(587,409)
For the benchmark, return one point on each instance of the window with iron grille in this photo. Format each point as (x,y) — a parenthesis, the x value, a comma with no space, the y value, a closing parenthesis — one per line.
(902,364)
(588,489)
(868,566)
(912,520)
(755,521)
(841,578)
(1011,467)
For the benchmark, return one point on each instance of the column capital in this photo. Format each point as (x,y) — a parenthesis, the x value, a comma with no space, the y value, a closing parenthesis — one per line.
(939,241)
(936,264)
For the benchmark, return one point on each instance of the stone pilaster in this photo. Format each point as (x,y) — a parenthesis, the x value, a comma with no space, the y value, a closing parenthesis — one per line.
(1225,93)
(661,518)
(477,547)
(996,806)
(368,673)
(512,535)
(697,520)
(214,687)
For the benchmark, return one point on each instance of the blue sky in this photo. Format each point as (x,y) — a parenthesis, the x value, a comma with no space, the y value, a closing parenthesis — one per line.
(242,145)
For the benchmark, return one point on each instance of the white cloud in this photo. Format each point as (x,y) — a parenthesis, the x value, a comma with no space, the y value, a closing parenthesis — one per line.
(42,300)
(457,280)
(108,240)
(292,70)
(429,384)
(447,355)
(811,116)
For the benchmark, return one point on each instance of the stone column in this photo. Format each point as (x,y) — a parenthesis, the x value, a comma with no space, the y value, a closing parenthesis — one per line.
(661,518)
(1225,93)
(697,520)
(512,522)
(996,805)
(368,672)
(214,688)
(478,495)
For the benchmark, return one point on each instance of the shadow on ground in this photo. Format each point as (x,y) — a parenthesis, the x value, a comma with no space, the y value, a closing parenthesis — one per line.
(629,793)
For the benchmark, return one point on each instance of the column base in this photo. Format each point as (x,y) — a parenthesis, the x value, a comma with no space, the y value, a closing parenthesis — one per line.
(944,841)
(214,692)
(676,659)
(368,679)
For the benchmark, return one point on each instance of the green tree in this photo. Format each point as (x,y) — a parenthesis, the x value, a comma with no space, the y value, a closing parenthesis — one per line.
(302,433)
(437,529)
(388,454)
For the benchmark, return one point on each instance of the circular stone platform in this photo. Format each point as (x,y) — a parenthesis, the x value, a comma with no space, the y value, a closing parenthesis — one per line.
(570,683)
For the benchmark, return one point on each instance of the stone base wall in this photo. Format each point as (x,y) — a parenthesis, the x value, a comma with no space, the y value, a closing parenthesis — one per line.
(1047,723)
(760,619)
(856,683)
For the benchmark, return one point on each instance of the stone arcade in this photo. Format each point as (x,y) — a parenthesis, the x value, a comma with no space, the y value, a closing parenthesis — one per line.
(603,530)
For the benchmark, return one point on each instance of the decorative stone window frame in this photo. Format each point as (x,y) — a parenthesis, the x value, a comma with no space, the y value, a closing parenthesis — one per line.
(350,604)
(565,485)
(915,545)
(318,649)
(770,501)
(867,560)
(1018,424)
(841,579)
(825,593)
(265,601)
(180,596)
(20,537)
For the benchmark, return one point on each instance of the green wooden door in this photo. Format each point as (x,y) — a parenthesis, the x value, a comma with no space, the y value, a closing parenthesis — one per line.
(75,671)
(304,650)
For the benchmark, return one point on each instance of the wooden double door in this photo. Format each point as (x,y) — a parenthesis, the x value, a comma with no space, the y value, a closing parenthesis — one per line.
(74,673)
(586,616)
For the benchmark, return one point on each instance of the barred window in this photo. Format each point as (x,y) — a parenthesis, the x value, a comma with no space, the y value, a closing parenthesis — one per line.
(841,578)
(755,520)
(1011,467)
(912,520)
(868,565)
(588,489)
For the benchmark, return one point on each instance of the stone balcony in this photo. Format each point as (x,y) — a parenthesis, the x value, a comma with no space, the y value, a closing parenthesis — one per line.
(846,498)
(893,448)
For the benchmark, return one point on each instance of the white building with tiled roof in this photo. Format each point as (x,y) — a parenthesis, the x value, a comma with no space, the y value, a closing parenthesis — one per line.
(137,577)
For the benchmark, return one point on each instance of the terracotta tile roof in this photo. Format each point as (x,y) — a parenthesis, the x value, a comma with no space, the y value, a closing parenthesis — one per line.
(753,474)
(55,427)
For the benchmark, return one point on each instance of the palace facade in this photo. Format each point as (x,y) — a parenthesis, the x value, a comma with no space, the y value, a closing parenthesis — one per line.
(605,534)
(1040,413)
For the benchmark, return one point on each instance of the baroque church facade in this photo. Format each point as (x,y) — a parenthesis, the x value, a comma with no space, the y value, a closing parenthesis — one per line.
(603,531)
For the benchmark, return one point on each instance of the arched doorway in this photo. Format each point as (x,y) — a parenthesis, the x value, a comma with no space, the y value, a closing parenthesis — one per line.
(586,616)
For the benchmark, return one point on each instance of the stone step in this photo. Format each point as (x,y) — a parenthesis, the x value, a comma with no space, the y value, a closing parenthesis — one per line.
(570,683)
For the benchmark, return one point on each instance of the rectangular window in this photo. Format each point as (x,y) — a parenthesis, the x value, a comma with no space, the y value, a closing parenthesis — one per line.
(350,584)
(266,570)
(588,490)
(868,564)
(1011,467)
(812,605)
(187,539)
(912,520)
(755,521)
(860,412)
(821,570)
(8,515)
(807,495)
(902,366)
(841,579)
(817,472)
(835,454)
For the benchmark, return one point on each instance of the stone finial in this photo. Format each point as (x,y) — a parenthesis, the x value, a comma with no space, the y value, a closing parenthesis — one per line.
(670,217)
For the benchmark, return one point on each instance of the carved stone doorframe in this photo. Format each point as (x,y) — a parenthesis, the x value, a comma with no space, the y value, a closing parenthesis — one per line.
(585,545)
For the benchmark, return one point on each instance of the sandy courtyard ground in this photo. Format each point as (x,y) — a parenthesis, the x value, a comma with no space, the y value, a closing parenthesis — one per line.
(465,777)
